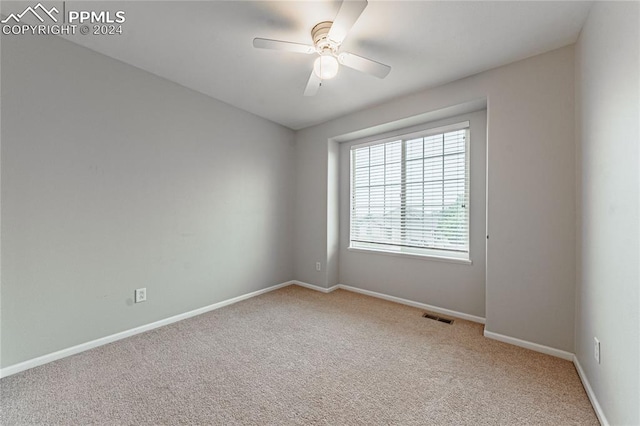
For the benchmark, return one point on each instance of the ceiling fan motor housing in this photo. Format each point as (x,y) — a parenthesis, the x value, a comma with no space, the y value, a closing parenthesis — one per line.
(319,34)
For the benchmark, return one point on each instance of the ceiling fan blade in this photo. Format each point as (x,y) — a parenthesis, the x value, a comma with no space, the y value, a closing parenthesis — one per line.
(312,85)
(265,43)
(364,65)
(348,14)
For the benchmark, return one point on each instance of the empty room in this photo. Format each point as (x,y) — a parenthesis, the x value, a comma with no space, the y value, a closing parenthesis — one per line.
(337,212)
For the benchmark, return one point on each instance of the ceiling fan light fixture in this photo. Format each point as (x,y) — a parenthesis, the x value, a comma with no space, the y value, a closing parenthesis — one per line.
(326,66)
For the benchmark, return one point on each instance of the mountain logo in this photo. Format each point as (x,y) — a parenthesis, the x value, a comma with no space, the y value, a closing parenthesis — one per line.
(34,11)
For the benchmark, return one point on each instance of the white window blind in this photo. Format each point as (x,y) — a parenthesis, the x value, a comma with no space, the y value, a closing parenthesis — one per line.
(412,194)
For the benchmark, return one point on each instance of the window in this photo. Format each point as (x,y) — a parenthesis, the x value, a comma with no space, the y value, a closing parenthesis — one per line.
(410,194)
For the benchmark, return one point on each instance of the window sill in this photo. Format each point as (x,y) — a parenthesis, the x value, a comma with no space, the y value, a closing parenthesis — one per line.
(412,255)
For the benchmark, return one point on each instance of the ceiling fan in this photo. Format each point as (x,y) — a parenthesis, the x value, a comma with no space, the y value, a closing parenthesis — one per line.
(327,39)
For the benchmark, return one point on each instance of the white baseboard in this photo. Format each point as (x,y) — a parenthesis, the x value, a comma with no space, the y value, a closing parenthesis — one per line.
(529,345)
(592,396)
(383,296)
(419,305)
(44,359)
(314,287)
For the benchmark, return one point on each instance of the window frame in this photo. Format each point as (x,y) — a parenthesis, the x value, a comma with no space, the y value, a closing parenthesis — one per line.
(415,252)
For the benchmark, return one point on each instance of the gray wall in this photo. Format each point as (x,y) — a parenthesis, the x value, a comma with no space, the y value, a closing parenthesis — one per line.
(531,194)
(608,137)
(460,287)
(114,179)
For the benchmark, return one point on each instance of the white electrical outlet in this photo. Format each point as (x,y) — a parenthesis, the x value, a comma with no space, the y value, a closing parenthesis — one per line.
(141,295)
(318,266)
(596,349)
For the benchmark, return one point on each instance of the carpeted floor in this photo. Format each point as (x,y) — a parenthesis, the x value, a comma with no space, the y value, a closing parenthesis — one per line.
(296,356)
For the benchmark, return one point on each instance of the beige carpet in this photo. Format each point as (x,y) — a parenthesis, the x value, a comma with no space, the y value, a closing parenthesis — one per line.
(296,356)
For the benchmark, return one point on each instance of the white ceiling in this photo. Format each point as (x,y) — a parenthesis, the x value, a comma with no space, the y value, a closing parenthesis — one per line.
(207,46)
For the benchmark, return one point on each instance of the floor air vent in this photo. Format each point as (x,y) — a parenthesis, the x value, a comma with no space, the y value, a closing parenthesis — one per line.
(437,318)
